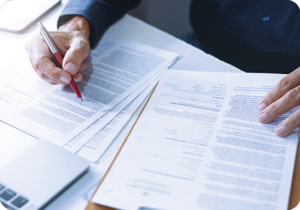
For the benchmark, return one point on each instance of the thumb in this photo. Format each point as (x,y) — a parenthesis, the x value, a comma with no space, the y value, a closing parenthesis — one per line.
(78,51)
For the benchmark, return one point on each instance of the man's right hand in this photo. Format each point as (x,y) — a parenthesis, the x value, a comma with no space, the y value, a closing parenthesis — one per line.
(72,40)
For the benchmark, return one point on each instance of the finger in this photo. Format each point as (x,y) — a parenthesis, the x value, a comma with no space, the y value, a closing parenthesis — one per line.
(40,49)
(78,76)
(47,67)
(42,75)
(78,51)
(53,83)
(82,66)
(36,49)
(288,125)
(281,88)
(46,78)
(40,57)
(284,104)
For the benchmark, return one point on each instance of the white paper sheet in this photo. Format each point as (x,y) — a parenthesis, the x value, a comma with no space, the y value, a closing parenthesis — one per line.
(198,145)
(97,145)
(19,83)
(73,197)
(82,138)
(114,70)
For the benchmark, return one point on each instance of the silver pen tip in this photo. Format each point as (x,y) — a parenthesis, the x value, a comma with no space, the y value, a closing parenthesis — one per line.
(40,25)
(81,99)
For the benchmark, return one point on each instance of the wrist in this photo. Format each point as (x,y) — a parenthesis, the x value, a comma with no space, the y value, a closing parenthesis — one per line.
(77,23)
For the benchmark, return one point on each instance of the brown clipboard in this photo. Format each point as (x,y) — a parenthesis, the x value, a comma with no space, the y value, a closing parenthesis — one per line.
(295,189)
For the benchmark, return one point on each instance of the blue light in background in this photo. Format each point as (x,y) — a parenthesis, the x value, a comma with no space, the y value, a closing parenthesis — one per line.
(266,18)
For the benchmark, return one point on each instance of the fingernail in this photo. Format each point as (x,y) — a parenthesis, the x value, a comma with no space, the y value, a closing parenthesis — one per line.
(262,106)
(71,67)
(82,68)
(64,79)
(280,130)
(262,117)
(77,78)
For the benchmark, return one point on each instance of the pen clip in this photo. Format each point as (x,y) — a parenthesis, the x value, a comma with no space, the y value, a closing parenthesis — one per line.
(47,38)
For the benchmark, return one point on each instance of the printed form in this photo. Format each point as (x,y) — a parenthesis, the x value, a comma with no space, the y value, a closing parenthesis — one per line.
(198,145)
(98,144)
(19,84)
(115,69)
(94,134)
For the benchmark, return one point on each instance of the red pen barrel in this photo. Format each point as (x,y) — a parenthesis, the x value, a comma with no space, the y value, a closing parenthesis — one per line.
(57,55)
(75,88)
(59,59)
(72,82)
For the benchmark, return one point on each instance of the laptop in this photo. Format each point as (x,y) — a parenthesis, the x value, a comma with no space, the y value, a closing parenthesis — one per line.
(38,175)
(17,15)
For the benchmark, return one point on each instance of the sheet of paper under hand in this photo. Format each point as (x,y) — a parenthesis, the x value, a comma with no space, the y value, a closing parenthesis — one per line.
(20,83)
(198,145)
(114,70)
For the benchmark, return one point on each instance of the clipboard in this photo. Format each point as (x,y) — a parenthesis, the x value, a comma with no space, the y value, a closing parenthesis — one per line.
(295,189)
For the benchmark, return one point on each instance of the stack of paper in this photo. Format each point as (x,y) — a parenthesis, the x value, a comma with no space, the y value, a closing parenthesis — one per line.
(119,75)
(198,145)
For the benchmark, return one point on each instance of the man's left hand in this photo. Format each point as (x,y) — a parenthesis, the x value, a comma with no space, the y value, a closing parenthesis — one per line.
(283,97)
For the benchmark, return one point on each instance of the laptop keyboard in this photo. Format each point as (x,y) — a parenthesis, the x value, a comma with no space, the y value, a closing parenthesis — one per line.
(10,199)
(7,194)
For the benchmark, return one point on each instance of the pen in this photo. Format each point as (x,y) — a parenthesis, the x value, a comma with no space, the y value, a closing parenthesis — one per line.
(57,55)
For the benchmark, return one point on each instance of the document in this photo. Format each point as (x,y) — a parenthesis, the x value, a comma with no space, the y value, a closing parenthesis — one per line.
(109,119)
(115,69)
(98,144)
(19,84)
(198,145)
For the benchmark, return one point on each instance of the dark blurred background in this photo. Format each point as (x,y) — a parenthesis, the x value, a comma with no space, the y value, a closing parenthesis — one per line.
(171,16)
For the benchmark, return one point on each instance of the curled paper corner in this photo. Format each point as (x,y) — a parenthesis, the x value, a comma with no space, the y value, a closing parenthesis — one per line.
(2,207)
(296,2)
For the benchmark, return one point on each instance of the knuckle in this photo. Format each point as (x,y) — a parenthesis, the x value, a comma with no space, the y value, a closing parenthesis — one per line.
(76,33)
(36,65)
(272,110)
(52,83)
(285,83)
(50,72)
(43,76)
(85,43)
(270,98)
(294,95)
(82,43)
(267,98)
(292,120)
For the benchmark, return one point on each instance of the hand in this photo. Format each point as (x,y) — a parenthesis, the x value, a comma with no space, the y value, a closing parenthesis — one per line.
(283,97)
(72,40)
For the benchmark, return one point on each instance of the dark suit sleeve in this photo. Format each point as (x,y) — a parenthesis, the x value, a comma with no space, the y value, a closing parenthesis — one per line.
(100,13)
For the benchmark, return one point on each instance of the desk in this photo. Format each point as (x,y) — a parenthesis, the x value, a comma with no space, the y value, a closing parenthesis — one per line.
(12,141)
